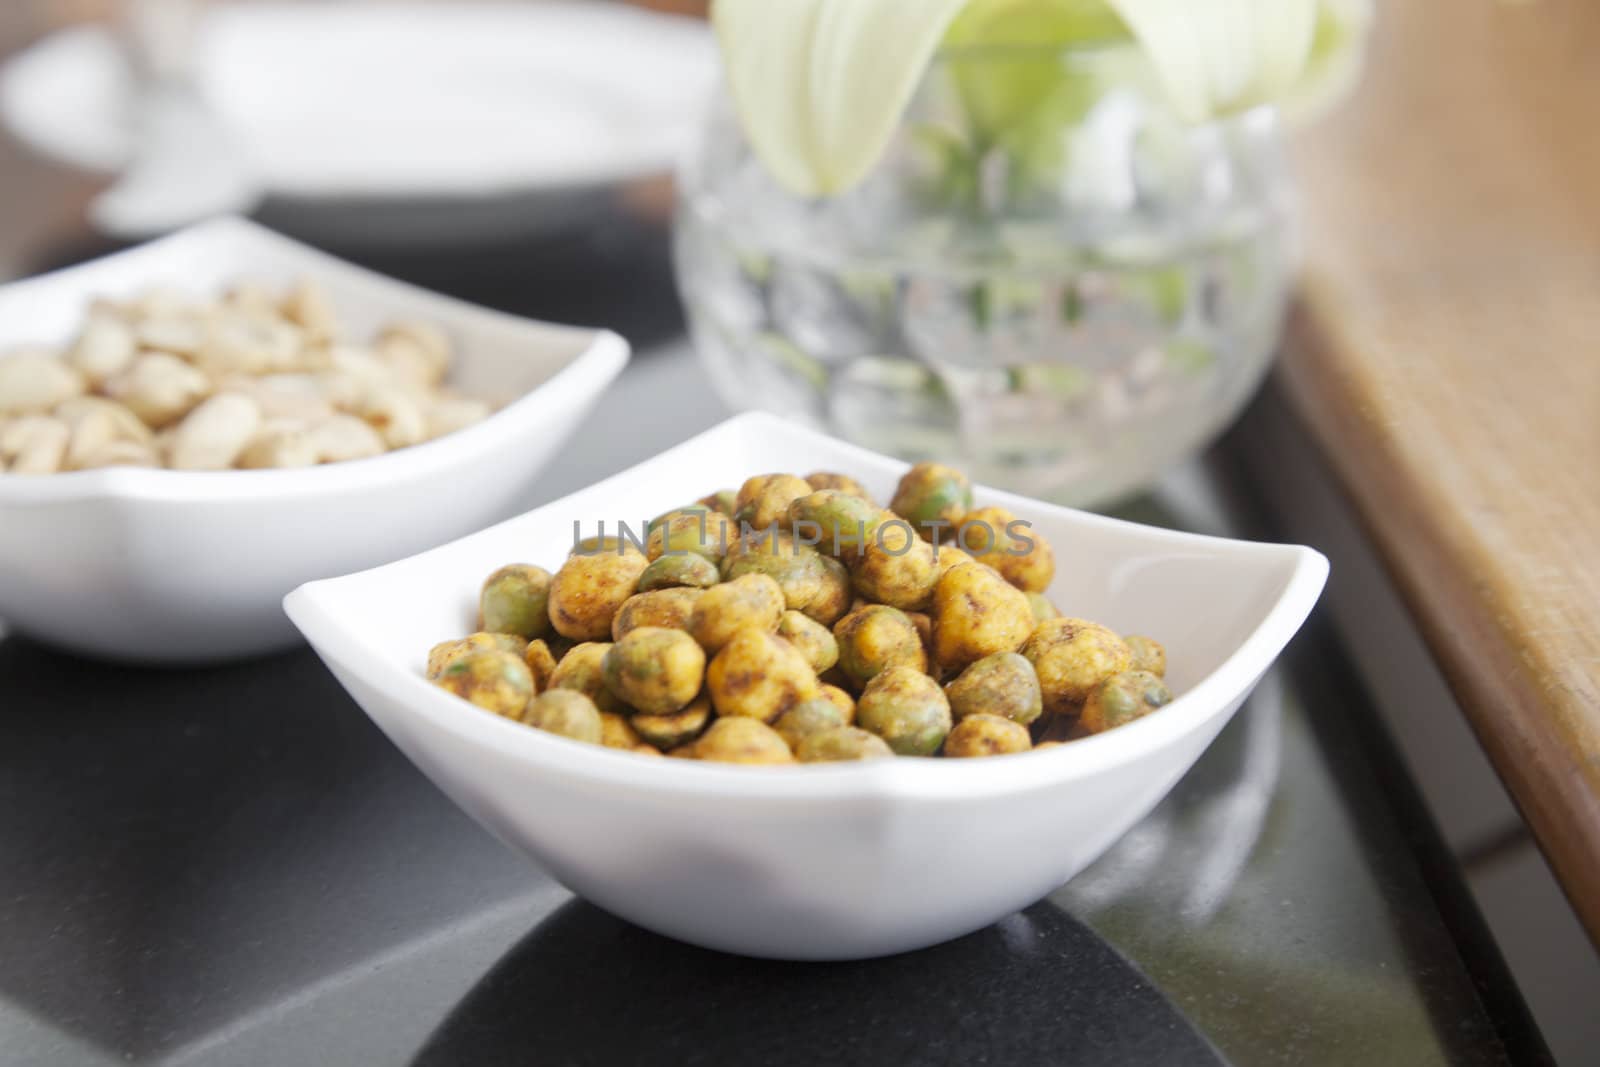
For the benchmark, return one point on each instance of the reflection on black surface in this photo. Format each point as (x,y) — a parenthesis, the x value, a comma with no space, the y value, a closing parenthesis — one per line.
(178,848)
(1038,987)
(228,860)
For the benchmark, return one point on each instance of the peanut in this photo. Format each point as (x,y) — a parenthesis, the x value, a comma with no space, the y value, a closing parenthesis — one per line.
(123,453)
(160,388)
(256,378)
(214,434)
(33,382)
(343,438)
(351,373)
(182,334)
(281,443)
(397,417)
(308,307)
(251,298)
(251,344)
(127,423)
(287,396)
(105,347)
(34,444)
(99,428)
(421,348)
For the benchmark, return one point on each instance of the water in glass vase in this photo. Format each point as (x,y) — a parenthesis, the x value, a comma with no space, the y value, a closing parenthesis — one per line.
(1069,341)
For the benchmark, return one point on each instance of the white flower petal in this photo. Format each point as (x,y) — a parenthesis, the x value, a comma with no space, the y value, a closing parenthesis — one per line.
(821,84)
(1220,56)
(1337,53)
(766,53)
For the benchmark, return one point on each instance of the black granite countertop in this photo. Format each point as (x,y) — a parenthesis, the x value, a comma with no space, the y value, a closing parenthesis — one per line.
(233,866)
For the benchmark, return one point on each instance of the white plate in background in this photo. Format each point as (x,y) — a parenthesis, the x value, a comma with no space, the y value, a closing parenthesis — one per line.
(398,100)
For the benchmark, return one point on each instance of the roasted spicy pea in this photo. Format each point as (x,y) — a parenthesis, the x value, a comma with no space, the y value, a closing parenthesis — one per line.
(797,568)
(566,712)
(670,608)
(699,533)
(668,731)
(896,567)
(1071,657)
(907,709)
(724,501)
(588,590)
(1042,608)
(493,680)
(445,653)
(616,732)
(740,740)
(1003,684)
(808,717)
(840,523)
(688,571)
(582,669)
(654,670)
(874,638)
(759,675)
(842,482)
(764,500)
(541,662)
(841,700)
(814,640)
(986,735)
(976,614)
(842,743)
(751,600)
(833,600)
(515,600)
(931,496)
(1148,654)
(1017,550)
(1123,698)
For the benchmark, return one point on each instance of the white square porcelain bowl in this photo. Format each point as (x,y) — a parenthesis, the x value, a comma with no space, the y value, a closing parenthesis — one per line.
(183,566)
(820,861)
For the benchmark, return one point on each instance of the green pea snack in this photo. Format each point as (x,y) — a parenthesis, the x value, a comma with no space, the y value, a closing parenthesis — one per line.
(794,620)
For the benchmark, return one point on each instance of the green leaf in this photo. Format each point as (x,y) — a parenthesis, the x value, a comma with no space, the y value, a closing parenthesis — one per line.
(1061,380)
(1003,57)
(791,357)
(978,302)
(1071,304)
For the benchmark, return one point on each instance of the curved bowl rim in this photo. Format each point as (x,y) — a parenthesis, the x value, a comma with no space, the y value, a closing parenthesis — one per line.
(604,355)
(1219,693)
(594,368)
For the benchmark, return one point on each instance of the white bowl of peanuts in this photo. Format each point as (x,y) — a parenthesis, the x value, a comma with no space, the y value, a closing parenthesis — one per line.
(192,428)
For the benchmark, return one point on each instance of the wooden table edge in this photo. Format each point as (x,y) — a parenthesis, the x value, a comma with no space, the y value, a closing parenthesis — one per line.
(1531,735)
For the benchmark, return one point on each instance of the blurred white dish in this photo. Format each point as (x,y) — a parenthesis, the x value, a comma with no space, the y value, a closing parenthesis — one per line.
(398,100)
(824,861)
(173,566)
